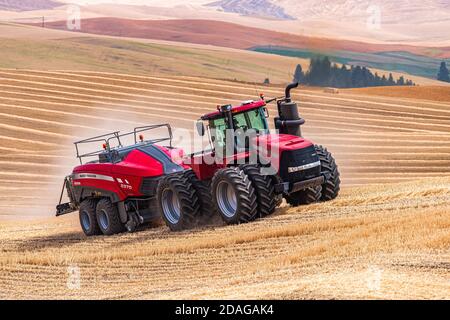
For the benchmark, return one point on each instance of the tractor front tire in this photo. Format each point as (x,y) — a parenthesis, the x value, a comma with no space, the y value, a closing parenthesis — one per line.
(330,189)
(177,200)
(264,187)
(203,190)
(306,196)
(88,219)
(108,218)
(234,196)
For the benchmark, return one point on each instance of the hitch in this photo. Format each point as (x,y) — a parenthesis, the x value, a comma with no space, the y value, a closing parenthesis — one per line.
(68,207)
(64,208)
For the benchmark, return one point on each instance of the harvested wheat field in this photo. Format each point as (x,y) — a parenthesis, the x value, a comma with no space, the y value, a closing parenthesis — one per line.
(386,236)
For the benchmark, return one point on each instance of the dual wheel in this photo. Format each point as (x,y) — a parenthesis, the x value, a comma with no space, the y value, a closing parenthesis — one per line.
(237,195)
(100,217)
(242,194)
(325,192)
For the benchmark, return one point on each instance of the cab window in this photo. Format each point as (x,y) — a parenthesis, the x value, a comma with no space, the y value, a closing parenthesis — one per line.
(257,119)
(218,127)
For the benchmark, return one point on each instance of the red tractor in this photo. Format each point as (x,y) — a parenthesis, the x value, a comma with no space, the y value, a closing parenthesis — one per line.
(127,186)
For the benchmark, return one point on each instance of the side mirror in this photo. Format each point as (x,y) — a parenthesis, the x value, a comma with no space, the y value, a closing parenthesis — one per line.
(200,128)
(266,112)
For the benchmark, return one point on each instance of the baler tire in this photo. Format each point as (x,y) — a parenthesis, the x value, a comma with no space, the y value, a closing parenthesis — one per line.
(303,197)
(246,206)
(204,194)
(88,218)
(188,204)
(264,187)
(108,218)
(330,189)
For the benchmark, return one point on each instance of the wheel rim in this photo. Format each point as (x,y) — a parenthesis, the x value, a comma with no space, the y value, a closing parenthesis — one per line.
(103,219)
(85,220)
(226,199)
(171,206)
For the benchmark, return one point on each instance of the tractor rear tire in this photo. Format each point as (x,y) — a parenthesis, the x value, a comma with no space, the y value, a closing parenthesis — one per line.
(264,187)
(330,189)
(178,202)
(234,196)
(306,196)
(108,218)
(203,190)
(88,218)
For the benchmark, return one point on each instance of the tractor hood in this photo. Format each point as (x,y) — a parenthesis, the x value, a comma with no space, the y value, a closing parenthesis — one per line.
(282,142)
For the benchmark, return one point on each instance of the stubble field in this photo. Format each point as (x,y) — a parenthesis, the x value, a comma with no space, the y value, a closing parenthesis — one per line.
(386,236)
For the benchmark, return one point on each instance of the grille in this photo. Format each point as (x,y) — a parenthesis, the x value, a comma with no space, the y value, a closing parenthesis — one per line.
(297,158)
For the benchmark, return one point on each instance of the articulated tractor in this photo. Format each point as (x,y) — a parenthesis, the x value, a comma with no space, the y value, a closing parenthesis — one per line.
(124,186)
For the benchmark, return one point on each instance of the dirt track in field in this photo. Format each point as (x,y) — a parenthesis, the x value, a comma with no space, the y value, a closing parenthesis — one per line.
(387,236)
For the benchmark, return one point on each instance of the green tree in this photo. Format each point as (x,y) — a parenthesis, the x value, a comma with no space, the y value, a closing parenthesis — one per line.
(443,74)
(298,74)
(322,72)
(401,81)
(391,81)
(358,77)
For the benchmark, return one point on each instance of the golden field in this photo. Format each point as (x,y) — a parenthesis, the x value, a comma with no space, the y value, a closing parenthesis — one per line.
(386,236)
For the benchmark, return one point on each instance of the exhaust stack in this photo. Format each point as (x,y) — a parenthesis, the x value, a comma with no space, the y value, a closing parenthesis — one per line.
(289,120)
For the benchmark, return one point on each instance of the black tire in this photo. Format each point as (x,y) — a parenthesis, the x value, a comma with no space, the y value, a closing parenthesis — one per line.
(306,196)
(108,218)
(178,203)
(330,189)
(264,187)
(203,190)
(88,218)
(278,197)
(237,183)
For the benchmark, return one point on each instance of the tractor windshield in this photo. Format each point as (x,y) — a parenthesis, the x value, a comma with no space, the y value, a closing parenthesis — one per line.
(254,119)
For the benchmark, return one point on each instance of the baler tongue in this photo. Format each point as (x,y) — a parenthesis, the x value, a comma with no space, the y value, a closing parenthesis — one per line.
(64,208)
(68,207)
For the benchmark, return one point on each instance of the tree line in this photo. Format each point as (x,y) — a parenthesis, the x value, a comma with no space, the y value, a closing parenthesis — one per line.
(443,74)
(323,73)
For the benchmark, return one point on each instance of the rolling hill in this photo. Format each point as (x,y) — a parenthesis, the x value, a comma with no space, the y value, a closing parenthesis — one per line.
(404,21)
(232,35)
(29,47)
(416,60)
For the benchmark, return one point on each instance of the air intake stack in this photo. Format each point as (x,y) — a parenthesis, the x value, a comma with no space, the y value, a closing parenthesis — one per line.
(288,120)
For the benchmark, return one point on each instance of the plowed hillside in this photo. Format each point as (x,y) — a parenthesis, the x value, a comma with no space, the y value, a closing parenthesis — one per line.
(386,236)
(231,35)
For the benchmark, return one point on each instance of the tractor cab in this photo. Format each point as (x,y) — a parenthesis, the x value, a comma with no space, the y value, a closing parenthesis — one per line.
(238,123)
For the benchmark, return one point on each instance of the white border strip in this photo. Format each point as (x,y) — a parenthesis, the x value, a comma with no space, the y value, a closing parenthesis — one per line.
(80,176)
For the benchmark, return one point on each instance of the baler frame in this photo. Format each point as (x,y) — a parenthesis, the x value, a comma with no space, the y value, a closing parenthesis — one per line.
(106,139)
